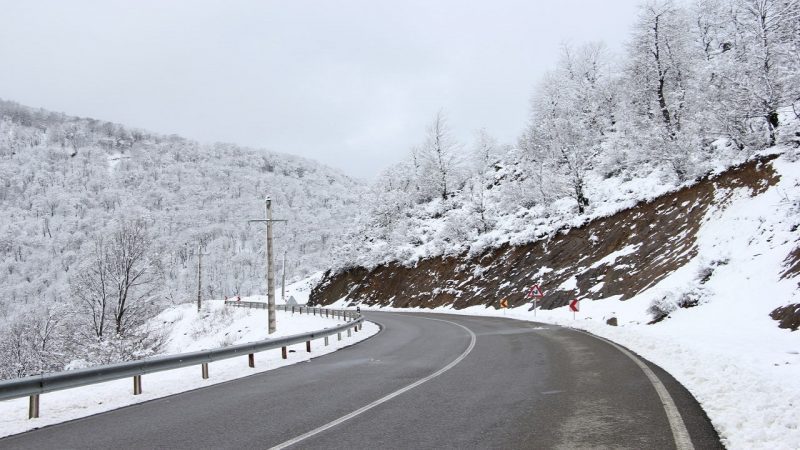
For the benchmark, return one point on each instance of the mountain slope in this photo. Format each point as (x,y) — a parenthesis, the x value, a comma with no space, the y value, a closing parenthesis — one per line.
(67,184)
(617,256)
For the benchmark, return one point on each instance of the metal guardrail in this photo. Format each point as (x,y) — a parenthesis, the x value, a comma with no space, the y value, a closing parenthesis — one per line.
(292,309)
(35,385)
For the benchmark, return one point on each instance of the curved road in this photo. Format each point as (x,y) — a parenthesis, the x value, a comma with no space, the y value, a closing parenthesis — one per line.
(426,381)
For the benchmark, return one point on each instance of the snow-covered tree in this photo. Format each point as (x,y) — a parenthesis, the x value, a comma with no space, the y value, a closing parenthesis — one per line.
(660,85)
(441,160)
(571,114)
(117,285)
(764,73)
(486,152)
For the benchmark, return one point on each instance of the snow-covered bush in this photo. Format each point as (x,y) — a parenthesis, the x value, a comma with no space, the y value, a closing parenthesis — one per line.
(662,306)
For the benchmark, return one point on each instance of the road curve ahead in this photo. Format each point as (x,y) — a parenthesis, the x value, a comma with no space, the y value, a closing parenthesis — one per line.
(427,381)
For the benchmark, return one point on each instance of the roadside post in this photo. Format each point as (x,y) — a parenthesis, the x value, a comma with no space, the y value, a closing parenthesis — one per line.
(574,306)
(535,293)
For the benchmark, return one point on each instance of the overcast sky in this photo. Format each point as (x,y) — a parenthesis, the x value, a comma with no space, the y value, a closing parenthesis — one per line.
(349,83)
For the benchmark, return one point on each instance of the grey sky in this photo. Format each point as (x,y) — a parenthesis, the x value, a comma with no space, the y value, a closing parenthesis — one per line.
(349,83)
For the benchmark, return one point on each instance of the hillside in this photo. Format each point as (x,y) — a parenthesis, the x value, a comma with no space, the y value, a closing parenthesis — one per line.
(70,184)
(618,256)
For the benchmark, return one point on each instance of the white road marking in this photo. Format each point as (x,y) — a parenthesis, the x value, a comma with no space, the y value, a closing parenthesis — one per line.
(385,399)
(679,432)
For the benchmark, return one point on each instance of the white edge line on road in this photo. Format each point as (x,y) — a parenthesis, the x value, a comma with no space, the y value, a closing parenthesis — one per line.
(385,399)
(679,432)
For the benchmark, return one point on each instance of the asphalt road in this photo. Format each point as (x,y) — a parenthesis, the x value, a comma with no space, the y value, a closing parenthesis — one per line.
(464,382)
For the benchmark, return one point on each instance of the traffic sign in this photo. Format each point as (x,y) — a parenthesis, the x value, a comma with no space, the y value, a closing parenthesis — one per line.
(535,292)
(504,303)
(574,305)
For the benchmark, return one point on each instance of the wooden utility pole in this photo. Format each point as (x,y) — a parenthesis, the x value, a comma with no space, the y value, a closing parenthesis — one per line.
(283,279)
(199,273)
(270,265)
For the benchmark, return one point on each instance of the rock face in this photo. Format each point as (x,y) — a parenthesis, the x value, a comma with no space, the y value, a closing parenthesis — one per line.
(620,255)
(788,316)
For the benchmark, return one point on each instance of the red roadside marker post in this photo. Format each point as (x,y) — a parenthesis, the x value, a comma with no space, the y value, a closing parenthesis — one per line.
(535,293)
(574,306)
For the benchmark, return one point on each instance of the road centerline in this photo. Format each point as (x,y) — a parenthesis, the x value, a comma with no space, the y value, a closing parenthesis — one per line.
(390,396)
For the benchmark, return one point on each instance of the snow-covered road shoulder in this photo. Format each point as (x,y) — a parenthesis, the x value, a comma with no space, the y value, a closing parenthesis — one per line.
(186,330)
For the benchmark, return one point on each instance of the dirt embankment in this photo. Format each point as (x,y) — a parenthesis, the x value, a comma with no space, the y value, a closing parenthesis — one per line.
(788,316)
(622,254)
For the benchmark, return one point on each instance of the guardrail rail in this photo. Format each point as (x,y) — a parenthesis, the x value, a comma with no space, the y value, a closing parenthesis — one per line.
(35,385)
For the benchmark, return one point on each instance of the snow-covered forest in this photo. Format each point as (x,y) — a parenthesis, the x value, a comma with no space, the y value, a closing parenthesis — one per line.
(102,224)
(700,86)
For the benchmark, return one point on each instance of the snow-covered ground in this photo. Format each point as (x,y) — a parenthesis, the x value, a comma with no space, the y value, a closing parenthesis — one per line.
(742,368)
(216,326)
(300,290)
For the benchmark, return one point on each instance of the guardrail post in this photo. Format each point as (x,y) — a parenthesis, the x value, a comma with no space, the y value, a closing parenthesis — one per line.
(251,360)
(355,328)
(326,341)
(284,355)
(308,346)
(137,384)
(292,310)
(326,313)
(33,406)
(340,335)
(205,371)
(349,333)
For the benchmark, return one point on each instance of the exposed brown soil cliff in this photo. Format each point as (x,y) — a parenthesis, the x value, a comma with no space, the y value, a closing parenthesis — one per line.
(622,255)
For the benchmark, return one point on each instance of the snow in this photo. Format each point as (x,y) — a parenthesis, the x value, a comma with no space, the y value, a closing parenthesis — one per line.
(569,285)
(544,270)
(742,368)
(611,258)
(215,326)
(300,290)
